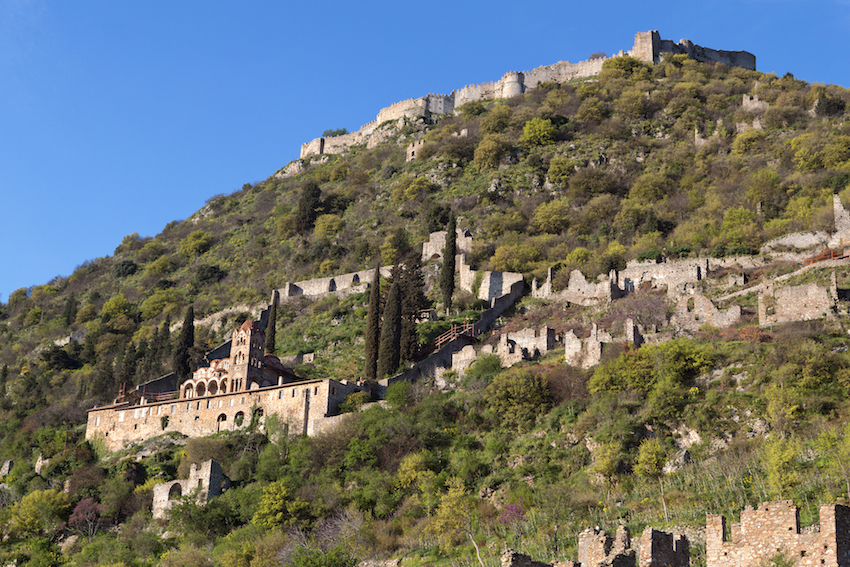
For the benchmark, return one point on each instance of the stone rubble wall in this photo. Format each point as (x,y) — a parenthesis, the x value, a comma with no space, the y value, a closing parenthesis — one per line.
(207,478)
(493,284)
(662,549)
(694,311)
(794,303)
(775,528)
(525,344)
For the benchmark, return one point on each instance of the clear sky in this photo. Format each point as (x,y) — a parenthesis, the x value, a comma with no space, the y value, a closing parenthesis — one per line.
(119,117)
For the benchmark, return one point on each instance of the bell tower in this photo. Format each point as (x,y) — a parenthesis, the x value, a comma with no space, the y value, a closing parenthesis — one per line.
(246,356)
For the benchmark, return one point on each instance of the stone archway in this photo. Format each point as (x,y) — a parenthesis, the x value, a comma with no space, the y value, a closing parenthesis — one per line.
(219,421)
(188,391)
(176,491)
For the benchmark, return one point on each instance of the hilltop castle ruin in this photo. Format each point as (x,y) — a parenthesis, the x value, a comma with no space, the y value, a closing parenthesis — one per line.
(648,47)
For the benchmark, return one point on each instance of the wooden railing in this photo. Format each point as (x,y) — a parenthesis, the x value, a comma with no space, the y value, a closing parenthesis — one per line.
(827,254)
(161,396)
(454,332)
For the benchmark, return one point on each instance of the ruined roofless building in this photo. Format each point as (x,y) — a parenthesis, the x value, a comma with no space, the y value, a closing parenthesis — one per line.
(774,529)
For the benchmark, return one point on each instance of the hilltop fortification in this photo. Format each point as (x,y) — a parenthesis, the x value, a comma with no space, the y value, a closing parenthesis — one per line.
(648,47)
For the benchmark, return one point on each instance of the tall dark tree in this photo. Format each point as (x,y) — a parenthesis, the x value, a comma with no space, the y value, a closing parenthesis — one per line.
(308,206)
(413,301)
(373,325)
(271,327)
(389,350)
(125,371)
(447,273)
(4,376)
(69,314)
(183,348)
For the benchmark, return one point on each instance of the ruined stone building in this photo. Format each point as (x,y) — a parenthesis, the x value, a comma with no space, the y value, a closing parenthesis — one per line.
(227,395)
(775,529)
(206,479)
(597,548)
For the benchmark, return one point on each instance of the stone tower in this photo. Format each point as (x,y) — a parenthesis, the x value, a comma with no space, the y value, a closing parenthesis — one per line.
(512,84)
(246,356)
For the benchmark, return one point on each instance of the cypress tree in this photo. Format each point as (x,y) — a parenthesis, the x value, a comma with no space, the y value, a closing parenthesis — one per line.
(185,342)
(271,327)
(413,301)
(70,312)
(4,375)
(308,204)
(447,273)
(373,325)
(389,350)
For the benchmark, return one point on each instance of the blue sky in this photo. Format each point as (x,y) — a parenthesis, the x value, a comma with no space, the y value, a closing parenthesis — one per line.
(119,117)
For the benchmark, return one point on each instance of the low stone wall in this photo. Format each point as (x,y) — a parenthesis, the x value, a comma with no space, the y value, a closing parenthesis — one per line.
(694,311)
(342,285)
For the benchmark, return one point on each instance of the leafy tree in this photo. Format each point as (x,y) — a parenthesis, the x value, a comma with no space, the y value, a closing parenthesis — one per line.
(552,217)
(337,556)
(447,271)
(198,242)
(373,326)
(85,519)
(453,517)
(42,512)
(116,305)
(538,132)
(278,508)
(780,456)
(330,132)
(560,170)
(209,274)
(497,119)
(606,463)
(650,465)
(517,396)
(490,151)
(389,350)
(185,341)
(834,446)
(124,268)
(328,226)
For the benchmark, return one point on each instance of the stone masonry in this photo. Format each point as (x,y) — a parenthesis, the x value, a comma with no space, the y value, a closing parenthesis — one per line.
(207,478)
(433,249)
(596,548)
(525,344)
(307,407)
(694,311)
(342,285)
(794,303)
(775,529)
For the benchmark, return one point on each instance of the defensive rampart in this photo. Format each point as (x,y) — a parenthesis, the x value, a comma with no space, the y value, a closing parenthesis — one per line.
(303,406)
(648,47)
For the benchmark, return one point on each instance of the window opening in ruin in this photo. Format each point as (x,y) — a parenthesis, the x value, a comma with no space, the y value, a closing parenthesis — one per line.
(293,392)
(175,492)
(200,483)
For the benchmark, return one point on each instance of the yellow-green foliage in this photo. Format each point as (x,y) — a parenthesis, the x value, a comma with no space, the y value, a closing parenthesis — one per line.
(198,242)
(328,226)
(552,217)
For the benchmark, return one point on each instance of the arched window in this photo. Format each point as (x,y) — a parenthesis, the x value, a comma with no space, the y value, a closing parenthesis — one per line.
(213,388)
(201,390)
(332,285)
(175,492)
(188,391)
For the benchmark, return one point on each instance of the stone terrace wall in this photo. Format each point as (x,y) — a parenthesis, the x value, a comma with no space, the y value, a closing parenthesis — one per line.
(303,405)
(775,527)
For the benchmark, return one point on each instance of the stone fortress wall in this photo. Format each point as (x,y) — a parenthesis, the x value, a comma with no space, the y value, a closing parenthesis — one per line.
(648,47)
